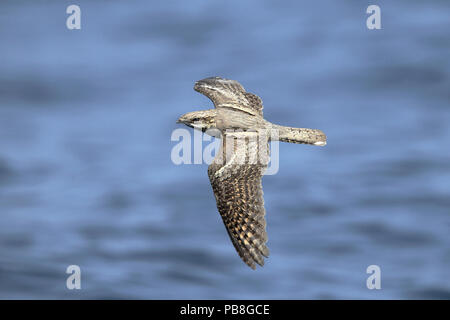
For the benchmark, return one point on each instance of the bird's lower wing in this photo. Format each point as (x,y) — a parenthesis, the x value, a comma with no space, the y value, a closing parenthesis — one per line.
(238,190)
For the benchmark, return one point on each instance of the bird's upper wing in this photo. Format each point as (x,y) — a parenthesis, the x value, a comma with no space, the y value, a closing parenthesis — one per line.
(225,93)
(237,187)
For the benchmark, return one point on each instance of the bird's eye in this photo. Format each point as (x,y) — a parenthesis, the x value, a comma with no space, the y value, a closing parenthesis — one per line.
(195,119)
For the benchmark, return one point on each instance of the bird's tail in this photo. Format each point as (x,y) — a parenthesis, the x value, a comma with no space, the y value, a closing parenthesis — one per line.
(301,135)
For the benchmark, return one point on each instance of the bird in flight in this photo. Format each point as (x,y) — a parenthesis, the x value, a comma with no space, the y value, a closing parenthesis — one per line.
(237,169)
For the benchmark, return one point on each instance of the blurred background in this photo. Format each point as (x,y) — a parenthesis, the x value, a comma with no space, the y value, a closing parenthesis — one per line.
(86,176)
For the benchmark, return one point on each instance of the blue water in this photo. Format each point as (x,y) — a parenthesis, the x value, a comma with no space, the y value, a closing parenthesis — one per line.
(85,170)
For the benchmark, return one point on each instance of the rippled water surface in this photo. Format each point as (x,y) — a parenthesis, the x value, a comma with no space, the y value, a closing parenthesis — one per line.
(86,177)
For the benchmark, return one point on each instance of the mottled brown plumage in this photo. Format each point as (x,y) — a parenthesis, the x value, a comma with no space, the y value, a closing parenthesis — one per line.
(236,183)
(236,172)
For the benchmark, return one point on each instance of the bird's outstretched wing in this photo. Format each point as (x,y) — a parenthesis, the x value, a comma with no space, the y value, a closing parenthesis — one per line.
(237,187)
(225,93)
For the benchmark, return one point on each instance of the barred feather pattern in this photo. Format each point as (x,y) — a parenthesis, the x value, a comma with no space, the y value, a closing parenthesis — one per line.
(226,93)
(301,135)
(236,182)
(238,191)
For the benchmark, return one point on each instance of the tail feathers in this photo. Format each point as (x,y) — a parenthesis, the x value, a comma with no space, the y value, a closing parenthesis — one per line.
(302,135)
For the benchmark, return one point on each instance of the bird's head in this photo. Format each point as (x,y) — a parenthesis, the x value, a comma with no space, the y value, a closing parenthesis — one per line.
(200,120)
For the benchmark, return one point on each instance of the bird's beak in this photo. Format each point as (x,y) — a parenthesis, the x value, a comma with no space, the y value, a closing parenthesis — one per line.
(197,85)
(180,120)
